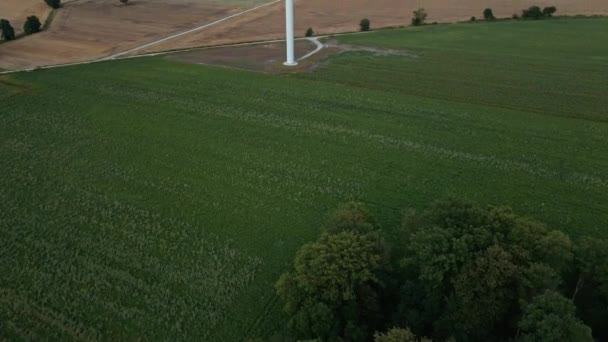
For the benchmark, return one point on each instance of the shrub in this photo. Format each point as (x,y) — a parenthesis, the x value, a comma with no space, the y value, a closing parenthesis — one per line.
(6,30)
(515,16)
(590,285)
(488,14)
(364,24)
(534,12)
(419,17)
(548,11)
(32,25)
(310,32)
(53,3)
(473,19)
(124,2)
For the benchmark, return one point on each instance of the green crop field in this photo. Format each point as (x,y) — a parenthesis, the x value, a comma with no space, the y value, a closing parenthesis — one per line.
(156,199)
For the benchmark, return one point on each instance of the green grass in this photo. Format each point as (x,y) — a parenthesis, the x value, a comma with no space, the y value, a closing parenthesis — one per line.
(554,67)
(158,199)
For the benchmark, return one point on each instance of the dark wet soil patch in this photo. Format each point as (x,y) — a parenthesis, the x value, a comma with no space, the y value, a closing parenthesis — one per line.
(269,57)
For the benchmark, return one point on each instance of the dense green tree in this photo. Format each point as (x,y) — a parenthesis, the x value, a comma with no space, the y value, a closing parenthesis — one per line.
(549,11)
(352,216)
(334,290)
(53,3)
(485,293)
(455,271)
(32,25)
(551,318)
(590,293)
(364,25)
(398,335)
(419,17)
(534,12)
(540,244)
(468,268)
(488,14)
(6,30)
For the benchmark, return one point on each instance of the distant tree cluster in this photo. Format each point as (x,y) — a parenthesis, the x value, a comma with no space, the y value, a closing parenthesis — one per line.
(7,31)
(419,17)
(549,11)
(32,25)
(364,25)
(534,12)
(455,271)
(488,14)
(53,3)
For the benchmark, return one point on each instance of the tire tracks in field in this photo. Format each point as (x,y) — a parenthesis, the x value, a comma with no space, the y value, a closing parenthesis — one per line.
(426,150)
(114,56)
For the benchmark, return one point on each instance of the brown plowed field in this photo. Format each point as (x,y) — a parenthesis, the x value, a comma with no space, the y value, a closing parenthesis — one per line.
(91,29)
(344,15)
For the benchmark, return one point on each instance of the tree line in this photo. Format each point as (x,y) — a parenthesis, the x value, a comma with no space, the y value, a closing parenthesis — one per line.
(420,15)
(455,271)
(32,23)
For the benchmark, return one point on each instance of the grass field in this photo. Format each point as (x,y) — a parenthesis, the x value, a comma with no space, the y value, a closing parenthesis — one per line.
(157,199)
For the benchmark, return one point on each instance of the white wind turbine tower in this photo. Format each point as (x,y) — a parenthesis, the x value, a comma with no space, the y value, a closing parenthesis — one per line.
(291,61)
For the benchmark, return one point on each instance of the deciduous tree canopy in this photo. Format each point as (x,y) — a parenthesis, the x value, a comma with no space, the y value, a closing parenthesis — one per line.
(6,30)
(455,271)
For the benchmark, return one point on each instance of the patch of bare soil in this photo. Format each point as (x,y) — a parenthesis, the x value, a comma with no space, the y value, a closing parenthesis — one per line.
(373,50)
(269,57)
(332,48)
(266,57)
(327,17)
(91,29)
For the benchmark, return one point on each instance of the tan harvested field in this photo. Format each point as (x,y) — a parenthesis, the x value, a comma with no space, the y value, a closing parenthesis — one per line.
(344,15)
(91,29)
(16,11)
